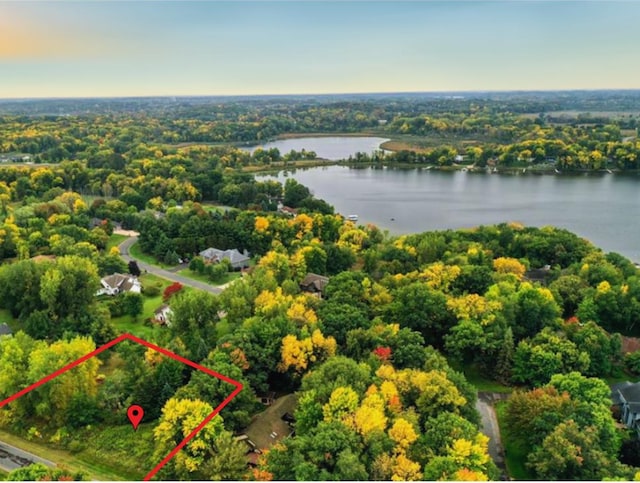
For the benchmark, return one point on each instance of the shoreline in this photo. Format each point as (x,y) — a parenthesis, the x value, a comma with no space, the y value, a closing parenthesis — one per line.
(518,171)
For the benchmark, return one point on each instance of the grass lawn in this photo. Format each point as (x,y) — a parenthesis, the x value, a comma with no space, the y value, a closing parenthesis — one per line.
(150,259)
(481,382)
(515,453)
(103,469)
(185,272)
(219,208)
(7,318)
(128,452)
(126,323)
(114,241)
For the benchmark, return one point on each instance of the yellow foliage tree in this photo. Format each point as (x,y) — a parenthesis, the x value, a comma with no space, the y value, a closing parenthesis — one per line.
(509,265)
(467,475)
(403,433)
(440,276)
(261,224)
(342,403)
(404,469)
(474,307)
(297,354)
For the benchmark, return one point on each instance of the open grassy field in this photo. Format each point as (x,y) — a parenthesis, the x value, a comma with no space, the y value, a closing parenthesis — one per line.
(515,454)
(481,383)
(114,241)
(136,252)
(229,277)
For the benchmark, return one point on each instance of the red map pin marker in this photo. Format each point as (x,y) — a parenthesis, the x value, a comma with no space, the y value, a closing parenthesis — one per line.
(135,414)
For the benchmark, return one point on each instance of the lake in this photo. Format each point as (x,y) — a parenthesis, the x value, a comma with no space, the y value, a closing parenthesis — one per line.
(330,147)
(600,207)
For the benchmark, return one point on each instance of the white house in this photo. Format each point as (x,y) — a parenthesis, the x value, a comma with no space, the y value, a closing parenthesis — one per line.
(119,283)
(163,315)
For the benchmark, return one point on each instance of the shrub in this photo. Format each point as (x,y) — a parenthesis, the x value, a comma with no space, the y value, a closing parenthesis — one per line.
(171,289)
(151,290)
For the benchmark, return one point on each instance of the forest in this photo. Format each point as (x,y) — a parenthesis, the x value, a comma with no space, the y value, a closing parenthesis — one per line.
(571,131)
(380,366)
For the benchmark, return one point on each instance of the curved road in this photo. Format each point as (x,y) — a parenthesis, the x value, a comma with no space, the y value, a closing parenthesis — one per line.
(174,277)
(12,458)
(490,427)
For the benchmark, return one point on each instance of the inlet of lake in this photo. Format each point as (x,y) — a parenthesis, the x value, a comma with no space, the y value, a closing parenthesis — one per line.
(600,207)
(332,148)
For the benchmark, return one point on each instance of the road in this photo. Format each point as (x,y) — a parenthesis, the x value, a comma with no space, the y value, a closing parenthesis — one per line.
(174,277)
(12,458)
(490,427)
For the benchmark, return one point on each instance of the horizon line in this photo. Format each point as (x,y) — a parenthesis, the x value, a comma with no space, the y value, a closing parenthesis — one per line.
(321,94)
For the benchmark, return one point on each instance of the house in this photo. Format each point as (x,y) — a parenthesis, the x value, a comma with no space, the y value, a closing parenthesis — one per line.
(314,283)
(626,396)
(119,283)
(97,222)
(163,315)
(286,210)
(5,330)
(540,275)
(237,259)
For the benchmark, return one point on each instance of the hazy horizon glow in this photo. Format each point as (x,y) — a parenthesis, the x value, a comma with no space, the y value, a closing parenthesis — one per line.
(168,48)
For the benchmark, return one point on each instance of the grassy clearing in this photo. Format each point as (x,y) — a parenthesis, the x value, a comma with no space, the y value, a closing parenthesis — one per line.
(126,323)
(218,208)
(481,382)
(114,241)
(514,450)
(229,277)
(280,165)
(7,318)
(131,450)
(103,470)
(136,252)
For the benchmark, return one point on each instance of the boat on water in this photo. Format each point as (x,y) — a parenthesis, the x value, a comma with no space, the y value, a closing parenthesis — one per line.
(352,217)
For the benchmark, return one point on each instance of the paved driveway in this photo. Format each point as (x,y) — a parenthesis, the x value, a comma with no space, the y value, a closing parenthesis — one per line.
(490,427)
(174,277)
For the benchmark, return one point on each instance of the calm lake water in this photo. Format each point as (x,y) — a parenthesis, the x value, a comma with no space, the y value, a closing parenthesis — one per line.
(600,207)
(332,148)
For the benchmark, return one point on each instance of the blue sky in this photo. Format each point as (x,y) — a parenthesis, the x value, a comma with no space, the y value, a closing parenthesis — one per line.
(131,48)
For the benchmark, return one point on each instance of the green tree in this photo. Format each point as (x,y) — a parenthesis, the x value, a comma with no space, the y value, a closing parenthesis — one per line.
(422,309)
(133,304)
(193,323)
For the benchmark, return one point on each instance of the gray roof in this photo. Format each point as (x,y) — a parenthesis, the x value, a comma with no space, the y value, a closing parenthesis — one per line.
(234,256)
(631,393)
(5,329)
(315,281)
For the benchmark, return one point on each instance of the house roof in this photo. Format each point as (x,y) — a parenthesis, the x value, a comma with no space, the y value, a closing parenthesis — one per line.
(161,309)
(631,393)
(234,256)
(316,281)
(5,329)
(118,280)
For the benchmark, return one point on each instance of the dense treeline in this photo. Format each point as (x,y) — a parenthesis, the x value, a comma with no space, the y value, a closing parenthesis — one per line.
(482,129)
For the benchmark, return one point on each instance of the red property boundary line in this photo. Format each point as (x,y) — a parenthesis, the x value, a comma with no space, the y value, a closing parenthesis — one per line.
(133,338)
